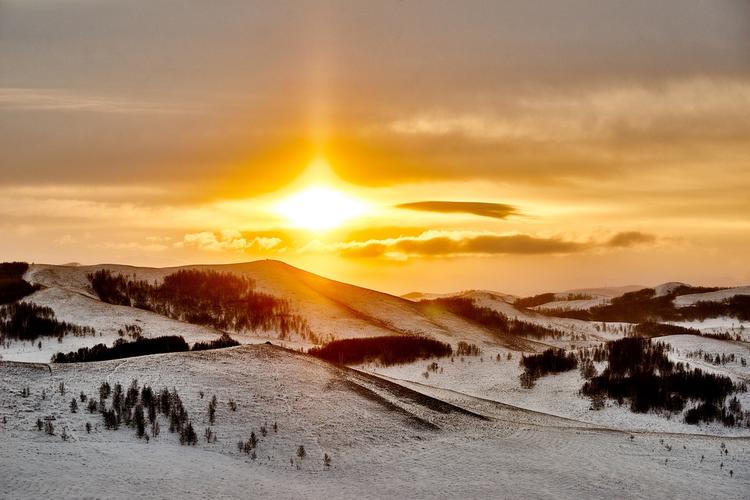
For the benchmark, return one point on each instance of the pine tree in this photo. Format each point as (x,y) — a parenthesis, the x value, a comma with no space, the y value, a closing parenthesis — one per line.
(212,409)
(140,421)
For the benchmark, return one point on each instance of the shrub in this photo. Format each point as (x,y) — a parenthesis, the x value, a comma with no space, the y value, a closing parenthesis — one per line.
(104,390)
(212,410)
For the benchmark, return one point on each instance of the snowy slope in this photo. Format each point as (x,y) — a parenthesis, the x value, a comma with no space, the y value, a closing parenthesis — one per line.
(686,300)
(494,377)
(107,319)
(333,309)
(385,440)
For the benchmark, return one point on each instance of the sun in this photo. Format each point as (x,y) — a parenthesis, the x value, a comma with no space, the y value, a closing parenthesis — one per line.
(320,208)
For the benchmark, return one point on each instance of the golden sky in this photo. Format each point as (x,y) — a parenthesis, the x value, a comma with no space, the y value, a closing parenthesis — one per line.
(400,145)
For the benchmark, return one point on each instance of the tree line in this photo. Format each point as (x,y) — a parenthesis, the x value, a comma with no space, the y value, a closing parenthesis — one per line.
(223,301)
(386,350)
(491,319)
(141,346)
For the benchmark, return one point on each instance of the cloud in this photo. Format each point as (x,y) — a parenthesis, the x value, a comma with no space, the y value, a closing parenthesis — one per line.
(628,239)
(445,244)
(29,99)
(493,210)
(545,135)
(230,240)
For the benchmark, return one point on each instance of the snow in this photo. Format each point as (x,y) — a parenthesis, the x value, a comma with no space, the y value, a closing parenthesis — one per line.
(732,326)
(378,447)
(719,295)
(466,431)
(487,378)
(107,319)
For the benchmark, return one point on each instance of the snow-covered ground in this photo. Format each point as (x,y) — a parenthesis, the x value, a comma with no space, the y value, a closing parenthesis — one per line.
(465,430)
(384,440)
(732,326)
(107,319)
(492,376)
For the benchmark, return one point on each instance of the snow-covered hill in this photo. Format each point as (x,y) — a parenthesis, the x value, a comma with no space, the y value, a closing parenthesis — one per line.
(719,295)
(333,309)
(385,439)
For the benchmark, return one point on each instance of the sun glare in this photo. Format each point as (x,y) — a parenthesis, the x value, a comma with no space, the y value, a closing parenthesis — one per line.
(320,208)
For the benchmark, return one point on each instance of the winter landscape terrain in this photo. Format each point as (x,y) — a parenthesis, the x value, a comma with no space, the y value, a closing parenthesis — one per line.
(268,418)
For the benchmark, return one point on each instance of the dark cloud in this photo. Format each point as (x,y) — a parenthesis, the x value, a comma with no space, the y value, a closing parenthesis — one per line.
(450,245)
(630,238)
(493,210)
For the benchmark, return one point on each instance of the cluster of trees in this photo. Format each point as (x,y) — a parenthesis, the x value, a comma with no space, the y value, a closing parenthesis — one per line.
(132,331)
(387,350)
(141,346)
(29,321)
(12,285)
(223,301)
(223,341)
(140,407)
(645,306)
(550,361)
(715,358)
(640,372)
(730,415)
(466,349)
(491,319)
